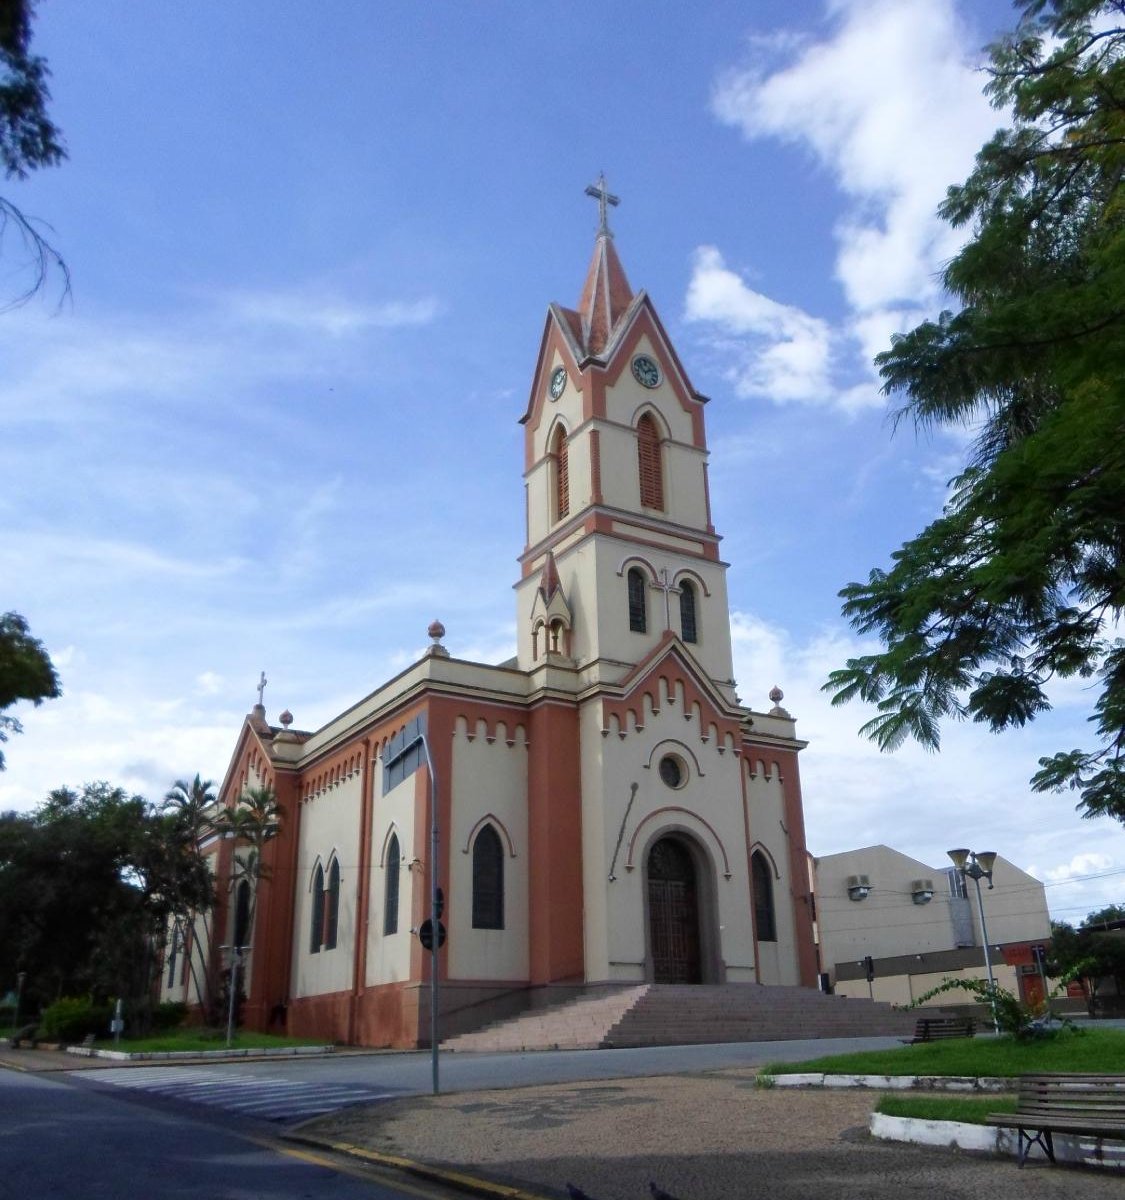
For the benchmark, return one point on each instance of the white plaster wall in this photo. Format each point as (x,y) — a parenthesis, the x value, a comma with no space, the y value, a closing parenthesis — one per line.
(615,911)
(489,780)
(388,956)
(330,825)
(905,989)
(777,960)
(889,923)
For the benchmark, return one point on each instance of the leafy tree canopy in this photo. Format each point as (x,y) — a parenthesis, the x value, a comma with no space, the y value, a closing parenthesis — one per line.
(29,139)
(26,672)
(1021,580)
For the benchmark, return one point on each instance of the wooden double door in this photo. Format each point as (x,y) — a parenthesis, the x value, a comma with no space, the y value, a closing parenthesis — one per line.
(673,913)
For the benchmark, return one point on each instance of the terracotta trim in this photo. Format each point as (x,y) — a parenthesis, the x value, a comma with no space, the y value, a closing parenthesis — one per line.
(490,819)
(363,893)
(675,808)
(596,466)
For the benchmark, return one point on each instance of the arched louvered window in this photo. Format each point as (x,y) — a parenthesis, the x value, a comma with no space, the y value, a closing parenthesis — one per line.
(242,913)
(561,456)
(638,600)
(332,906)
(488,880)
(390,896)
(765,922)
(316,918)
(689,630)
(649,464)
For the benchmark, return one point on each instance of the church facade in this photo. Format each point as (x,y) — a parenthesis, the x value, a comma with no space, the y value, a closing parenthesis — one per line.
(608,811)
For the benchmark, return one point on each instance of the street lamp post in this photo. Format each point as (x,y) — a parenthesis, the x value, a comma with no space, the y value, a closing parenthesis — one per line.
(977,867)
(232,1000)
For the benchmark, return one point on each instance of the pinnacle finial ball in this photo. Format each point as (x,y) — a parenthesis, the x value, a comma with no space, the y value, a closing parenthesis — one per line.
(436,630)
(286,718)
(776,694)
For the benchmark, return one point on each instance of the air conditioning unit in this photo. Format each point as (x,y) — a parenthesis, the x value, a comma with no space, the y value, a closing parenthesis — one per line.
(922,891)
(858,887)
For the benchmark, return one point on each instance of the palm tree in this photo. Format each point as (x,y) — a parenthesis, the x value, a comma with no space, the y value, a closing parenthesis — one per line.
(191,810)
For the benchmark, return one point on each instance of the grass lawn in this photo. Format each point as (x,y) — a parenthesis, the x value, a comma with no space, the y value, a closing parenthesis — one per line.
(203,1039)
(1098,1050)
(971,1110)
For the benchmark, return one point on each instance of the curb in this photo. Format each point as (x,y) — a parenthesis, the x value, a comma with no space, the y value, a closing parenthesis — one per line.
(454,1179)
(1107,1154)
(895,1083)
(206,1055)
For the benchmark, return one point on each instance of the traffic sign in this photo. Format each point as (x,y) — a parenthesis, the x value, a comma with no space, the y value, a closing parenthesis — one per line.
(426,934)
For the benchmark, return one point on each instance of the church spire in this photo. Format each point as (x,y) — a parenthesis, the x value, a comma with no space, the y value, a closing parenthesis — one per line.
(606,294)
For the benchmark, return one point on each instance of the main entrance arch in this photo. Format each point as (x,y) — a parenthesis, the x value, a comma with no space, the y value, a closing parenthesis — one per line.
(673,913)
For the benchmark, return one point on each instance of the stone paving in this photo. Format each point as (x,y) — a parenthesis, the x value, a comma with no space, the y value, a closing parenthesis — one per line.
(713,1136)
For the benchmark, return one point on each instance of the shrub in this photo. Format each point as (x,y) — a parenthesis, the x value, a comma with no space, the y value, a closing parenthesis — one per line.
(72,1018)
(168,1015)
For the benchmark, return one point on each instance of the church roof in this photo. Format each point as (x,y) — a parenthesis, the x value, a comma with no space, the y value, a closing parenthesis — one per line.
(606,295)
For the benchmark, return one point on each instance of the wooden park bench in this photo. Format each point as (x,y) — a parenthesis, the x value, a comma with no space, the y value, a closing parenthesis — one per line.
(1090,1105)
(936,1029)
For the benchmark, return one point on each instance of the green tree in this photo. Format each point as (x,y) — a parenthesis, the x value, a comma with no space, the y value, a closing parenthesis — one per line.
(80,896)
(29,139)
(1090,955)
(1021,580)
(190,809)
(26,672)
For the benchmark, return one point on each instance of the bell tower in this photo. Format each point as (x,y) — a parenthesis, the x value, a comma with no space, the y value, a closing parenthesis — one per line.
(619,532)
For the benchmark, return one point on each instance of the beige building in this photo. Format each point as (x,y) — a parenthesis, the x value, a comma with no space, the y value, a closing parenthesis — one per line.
(920,925)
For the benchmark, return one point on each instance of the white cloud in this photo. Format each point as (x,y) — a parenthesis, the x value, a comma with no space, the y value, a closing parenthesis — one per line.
(889,106)
(783,353)
(331,316)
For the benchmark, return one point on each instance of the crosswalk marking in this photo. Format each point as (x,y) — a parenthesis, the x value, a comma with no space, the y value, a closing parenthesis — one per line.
(270,1099)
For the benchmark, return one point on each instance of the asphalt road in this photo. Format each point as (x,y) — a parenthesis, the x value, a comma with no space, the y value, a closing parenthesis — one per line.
(293,1089)
(59,1141)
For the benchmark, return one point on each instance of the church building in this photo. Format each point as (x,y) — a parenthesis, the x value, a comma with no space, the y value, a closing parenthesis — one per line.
(608,811)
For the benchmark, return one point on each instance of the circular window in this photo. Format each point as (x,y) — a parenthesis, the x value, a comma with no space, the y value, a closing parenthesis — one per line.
(672,771)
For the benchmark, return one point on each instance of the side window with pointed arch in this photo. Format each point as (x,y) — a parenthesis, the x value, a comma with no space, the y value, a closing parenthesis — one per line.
(765,921)
(689,628)
(332,906)
(390,889)
(242,914)
(316,917)
(638,600)
(560,455)
(488,880)
(649,465)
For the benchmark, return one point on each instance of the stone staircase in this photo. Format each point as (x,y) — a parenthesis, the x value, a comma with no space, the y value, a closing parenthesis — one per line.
(672,1014)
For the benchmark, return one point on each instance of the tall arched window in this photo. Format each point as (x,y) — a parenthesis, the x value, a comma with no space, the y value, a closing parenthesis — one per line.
(689,630)
(390,891)
(488,880)
(762,878)
(649,464)
(316,918)
(242,913)
(561,456)
(332,906)
(638,600)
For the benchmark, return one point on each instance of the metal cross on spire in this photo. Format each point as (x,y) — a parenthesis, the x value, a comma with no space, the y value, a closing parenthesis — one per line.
(604,198)
(261,689)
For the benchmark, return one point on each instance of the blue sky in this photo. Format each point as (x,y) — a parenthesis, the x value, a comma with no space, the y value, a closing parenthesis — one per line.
(275,426)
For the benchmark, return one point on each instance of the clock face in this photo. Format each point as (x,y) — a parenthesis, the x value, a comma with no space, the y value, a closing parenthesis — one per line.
(645,371)
(558,382)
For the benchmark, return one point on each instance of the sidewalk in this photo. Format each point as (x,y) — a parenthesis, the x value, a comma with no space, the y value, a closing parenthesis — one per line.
(713,1136)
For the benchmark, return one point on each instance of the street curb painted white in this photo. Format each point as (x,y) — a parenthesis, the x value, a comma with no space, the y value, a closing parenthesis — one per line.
(181,1055)
(1089,1151)
(896,1083)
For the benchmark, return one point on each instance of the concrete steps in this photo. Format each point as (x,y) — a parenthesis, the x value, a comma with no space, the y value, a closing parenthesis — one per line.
(672,1014)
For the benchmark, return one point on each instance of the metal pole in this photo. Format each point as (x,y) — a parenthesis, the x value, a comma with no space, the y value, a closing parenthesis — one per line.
(235,957)
(434,922)
(987,956)
(21,979)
